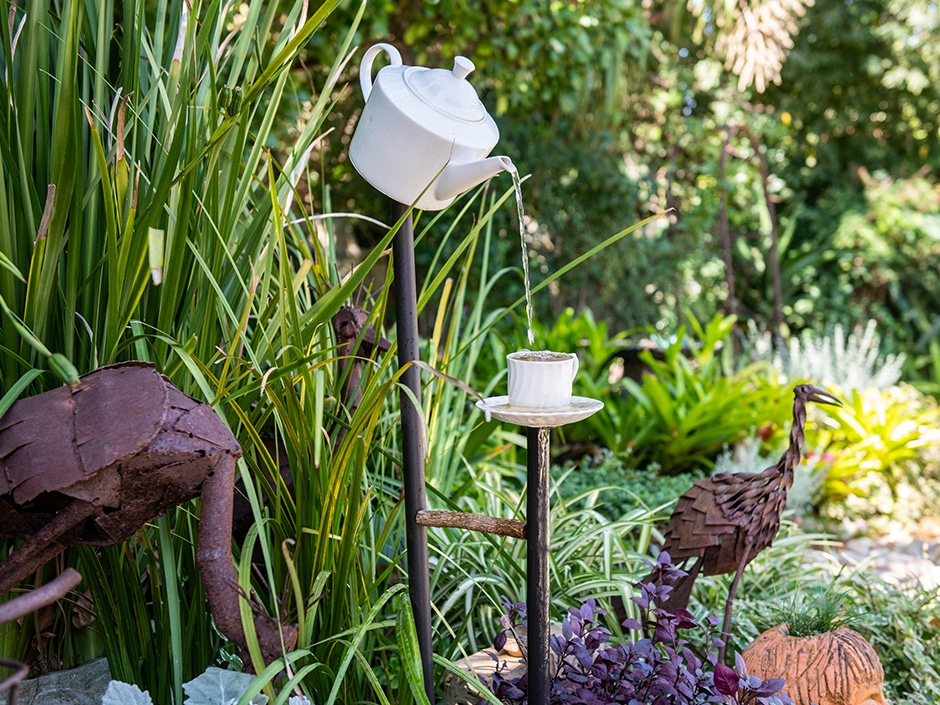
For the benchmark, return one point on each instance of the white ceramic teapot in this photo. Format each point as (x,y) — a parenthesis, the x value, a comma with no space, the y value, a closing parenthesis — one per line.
(423,135)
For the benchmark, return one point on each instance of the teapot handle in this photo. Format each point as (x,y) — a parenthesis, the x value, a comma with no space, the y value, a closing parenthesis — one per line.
(365,68)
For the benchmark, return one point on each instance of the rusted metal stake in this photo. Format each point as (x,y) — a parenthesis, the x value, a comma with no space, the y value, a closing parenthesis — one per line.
(538,544)
(11,683)
(419,571)
(21,606)
(32,601)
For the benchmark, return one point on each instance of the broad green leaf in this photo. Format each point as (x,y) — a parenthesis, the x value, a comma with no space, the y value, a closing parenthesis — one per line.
(119,693)
(220,687)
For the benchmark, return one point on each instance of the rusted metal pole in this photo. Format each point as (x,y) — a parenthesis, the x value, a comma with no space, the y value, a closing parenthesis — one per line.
(12,682)
(412,433)
(40,597)
(21,606)
(538,544)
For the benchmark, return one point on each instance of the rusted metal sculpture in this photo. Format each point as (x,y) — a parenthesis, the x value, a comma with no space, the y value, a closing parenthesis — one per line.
(355,341)
(21,606)
(92,463)
(722,522)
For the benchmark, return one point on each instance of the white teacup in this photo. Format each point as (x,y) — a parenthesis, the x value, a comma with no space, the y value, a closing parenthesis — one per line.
(541,379)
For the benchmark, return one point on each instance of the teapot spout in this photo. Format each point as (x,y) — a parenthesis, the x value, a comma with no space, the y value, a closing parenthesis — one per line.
(458,177)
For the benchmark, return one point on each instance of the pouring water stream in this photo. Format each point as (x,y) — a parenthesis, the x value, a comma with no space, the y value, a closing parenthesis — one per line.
(520,213)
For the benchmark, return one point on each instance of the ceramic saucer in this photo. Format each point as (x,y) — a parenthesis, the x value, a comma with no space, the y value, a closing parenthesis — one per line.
(578,409)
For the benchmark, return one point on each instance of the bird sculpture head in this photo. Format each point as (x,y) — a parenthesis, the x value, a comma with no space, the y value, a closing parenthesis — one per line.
(802,394)
(807,392)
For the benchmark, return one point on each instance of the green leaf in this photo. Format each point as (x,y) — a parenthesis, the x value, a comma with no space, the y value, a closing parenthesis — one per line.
(63,368)
(219,687)
(409,650)
(13,393)
(119,693)
(468,678)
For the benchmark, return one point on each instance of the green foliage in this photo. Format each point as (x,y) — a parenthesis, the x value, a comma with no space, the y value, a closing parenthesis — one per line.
(860,156)
(879,433)
(875,66)
(691,408)
(134,224)
(903,624)
(188,259)
(557,59)
(591,556)
(616,109)
(579,189)
(814,613)
(886,250)
(157,173)
(881,237)
(615,488)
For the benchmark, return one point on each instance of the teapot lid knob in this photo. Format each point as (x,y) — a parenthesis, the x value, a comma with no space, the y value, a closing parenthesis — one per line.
(447,91)
(462,67)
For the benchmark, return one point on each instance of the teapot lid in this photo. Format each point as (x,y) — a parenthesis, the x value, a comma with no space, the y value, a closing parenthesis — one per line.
(448,92)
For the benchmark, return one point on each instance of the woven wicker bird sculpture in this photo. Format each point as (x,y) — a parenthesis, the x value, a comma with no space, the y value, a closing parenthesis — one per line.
(722,522)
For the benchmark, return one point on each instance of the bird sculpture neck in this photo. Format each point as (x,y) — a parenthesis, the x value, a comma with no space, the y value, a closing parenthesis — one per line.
(794,452)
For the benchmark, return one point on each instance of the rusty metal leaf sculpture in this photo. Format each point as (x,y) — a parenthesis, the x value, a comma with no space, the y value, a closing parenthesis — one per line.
(92,463)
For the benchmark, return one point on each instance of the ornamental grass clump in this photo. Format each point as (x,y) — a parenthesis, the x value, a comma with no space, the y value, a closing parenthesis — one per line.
(660,668)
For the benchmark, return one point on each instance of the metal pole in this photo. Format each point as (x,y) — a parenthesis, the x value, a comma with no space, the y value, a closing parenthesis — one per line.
(538,542)
(419,575)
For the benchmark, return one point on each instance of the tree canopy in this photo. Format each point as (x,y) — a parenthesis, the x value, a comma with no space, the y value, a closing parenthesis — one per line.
(762,123)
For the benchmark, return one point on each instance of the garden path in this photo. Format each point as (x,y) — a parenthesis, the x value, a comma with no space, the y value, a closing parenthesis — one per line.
(899,557)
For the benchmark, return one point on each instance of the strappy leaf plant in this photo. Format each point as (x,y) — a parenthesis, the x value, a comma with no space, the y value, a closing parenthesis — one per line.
(142,216)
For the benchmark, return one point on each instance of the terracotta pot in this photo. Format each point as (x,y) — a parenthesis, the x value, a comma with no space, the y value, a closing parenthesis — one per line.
(835,668)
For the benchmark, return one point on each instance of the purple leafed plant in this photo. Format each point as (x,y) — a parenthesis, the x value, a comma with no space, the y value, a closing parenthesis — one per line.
(660,669)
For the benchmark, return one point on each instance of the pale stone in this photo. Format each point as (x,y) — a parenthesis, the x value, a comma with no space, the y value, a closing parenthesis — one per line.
(79,686)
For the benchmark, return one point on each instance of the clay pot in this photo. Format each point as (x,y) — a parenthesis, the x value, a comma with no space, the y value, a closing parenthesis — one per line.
(835,668)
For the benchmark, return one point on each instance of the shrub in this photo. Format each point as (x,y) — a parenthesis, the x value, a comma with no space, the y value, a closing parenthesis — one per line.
(903,624)
(848,360)
(881,442)
(622,488)
(659,669)
(693,405)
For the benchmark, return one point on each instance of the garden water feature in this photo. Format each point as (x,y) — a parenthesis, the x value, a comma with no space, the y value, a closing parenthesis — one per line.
(423,139)
(520,214)
(432,121)
(423,136)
